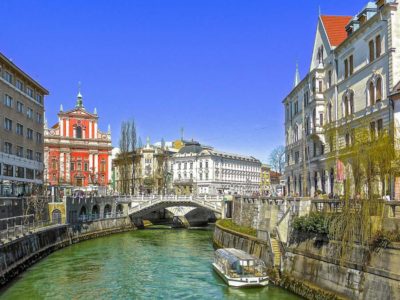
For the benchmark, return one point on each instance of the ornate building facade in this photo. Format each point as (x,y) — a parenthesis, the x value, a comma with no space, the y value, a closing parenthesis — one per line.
(151,173)
(204,170)
(355,67)
(77,153)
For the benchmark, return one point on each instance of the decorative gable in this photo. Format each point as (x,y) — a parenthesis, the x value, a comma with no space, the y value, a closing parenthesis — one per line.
(331,31)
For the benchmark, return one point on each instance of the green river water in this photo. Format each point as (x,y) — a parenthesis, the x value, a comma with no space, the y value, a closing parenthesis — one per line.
(143,264)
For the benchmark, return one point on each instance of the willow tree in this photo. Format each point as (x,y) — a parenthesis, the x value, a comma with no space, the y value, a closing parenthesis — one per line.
(365,153)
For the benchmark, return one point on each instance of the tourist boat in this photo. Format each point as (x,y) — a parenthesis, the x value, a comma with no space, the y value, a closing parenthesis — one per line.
(240,269)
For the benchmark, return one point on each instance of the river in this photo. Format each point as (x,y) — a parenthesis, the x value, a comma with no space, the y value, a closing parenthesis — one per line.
(143,264)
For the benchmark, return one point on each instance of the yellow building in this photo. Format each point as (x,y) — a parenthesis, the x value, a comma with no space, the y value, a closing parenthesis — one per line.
(265,180)
(57,212)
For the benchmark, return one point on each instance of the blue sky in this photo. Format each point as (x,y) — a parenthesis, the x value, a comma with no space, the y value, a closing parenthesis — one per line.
(220,69)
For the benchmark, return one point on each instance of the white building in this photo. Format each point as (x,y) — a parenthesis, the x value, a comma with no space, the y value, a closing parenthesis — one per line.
(203,170)
(354,68)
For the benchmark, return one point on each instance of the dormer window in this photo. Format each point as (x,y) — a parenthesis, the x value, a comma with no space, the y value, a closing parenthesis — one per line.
(362,19)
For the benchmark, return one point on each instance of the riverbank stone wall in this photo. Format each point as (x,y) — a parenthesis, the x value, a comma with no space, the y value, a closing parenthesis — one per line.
(17,255)
(359,275)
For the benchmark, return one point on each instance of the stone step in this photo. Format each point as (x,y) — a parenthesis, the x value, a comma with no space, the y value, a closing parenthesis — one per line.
(277,251)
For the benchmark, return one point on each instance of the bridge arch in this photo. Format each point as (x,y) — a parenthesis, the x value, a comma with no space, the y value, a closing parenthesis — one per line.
(141,206)
(107,211)
(83,211)
(96,211)
(119,209)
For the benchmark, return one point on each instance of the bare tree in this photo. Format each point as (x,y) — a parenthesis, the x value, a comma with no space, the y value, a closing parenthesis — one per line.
(127,156)
(165,175)
(133,146)
(277,159)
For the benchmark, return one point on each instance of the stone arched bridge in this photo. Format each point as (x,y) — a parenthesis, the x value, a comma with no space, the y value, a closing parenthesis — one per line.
(139,206)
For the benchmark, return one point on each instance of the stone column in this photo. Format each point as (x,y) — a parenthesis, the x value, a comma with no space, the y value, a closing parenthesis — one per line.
(61,124)
(61,169)
(68,169)
(96,162)
(47,164)
(109,171)
(90,129)
(67,129)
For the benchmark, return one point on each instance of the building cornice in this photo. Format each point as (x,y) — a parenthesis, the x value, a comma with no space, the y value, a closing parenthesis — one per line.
(24,75)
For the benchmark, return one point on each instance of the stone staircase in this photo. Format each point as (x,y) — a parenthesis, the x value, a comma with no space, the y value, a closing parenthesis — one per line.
(277,252)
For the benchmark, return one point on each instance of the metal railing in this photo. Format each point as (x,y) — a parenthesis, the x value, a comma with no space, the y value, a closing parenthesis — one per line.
(98,217)
(16,227)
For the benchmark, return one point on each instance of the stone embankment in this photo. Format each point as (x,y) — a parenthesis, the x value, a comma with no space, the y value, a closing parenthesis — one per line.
(312,265)
(227,238)
(360,274)
(16,256)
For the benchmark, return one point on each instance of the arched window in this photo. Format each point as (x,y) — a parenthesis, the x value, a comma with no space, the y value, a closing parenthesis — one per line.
(300,189)
(346,106)
(314,118)
(378,45)
(379,89)
(78,131)
(83,211)
(371,51)
(351,103)
(330,112)
(307,126)
(371,91)
(56,216)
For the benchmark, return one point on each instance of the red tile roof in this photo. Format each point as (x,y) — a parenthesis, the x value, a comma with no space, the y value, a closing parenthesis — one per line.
(335,27)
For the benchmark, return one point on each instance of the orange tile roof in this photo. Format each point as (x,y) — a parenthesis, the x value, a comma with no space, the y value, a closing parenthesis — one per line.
(335,27)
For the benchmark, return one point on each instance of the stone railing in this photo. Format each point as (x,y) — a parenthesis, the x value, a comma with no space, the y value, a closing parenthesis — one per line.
(326,205)
(392,209)
(142,203)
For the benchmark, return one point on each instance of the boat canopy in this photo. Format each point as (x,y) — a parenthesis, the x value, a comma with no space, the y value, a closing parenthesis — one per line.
(234,257)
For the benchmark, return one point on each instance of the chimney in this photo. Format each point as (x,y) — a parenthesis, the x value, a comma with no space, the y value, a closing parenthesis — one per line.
(367,12)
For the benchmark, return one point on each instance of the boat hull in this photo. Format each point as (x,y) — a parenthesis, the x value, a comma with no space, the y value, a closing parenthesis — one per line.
(241,282)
